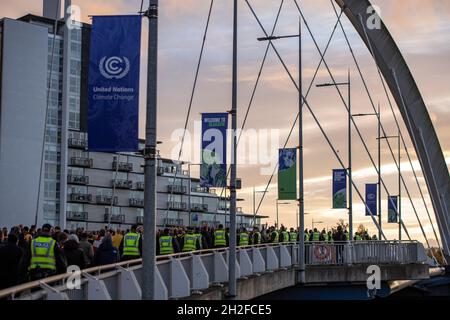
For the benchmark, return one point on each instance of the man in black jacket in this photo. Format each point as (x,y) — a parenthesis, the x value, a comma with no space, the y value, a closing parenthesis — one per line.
(10,255)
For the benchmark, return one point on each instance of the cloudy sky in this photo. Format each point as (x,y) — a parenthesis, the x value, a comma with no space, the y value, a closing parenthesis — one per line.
(420,28)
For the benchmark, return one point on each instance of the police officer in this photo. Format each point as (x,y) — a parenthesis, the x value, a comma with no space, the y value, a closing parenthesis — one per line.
(131,245)
(256,239)
(315,235)
(357,237)
(293,235)
(190,241)
(284,237)
(243,238)
(43,258)
(220,237)
(330,237)
(199,236)
(166,243)
(274,237)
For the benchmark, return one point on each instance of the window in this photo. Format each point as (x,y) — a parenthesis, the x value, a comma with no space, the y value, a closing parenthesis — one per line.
(136,195)
(75,171)
(115,210)
(120,175)
(77,189)
(75,207)
(104,192)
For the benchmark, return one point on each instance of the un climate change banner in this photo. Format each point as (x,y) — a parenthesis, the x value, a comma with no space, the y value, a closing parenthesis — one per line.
(371,199)
(287,174)
(392,209)
(113,86)
(339,189)
(213,171)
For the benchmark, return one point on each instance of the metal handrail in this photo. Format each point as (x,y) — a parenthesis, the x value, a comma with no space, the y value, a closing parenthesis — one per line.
(11,292)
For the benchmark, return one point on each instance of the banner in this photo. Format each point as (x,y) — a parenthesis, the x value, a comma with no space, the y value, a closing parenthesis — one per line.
(339,189)
(213,171)
(113,86)
(371,199)
(392,209)
(287,174)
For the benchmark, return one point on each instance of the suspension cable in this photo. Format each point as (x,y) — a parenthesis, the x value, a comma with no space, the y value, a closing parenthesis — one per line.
(194,87)
(49,86)
(344,102)
(315,118)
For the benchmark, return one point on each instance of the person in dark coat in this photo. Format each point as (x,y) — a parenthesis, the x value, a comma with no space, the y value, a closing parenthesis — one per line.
(106,253)
(74,254)
(10,255)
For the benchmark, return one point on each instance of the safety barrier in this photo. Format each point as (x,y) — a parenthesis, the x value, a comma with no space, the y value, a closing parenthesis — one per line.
(183,274)
(364,252)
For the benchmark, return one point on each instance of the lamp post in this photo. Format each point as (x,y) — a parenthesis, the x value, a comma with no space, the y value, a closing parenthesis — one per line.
(399,184)
(278,203)
(378,115)
(350,189)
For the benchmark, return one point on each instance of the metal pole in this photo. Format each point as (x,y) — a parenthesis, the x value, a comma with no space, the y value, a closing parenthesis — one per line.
(350,189)
(277,214)
(254,205)
(301,200)
(113,191)
(149,239)
(189,193)
(399,192)
(379,173)
(232,240)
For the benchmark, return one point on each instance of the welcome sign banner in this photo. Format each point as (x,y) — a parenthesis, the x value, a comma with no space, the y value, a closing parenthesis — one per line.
(213,170)
(113,87)
(287,174)
(392,209)
(371,199)
(339,189)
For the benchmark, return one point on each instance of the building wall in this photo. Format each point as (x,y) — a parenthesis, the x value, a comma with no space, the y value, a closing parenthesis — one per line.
(22,109)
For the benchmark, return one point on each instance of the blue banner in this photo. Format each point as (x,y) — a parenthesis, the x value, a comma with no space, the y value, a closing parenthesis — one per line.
(339,189)
(371,199)
(392,209)
(113,86)
(213,171)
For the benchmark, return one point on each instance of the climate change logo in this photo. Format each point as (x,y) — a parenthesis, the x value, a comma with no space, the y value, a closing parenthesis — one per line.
(114,67)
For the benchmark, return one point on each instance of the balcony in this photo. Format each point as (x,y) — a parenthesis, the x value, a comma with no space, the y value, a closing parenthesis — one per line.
(173,222)
(199,207)
(179,206)
(77,216)
(106,200)
(136,203)
(140,186)
(81,162)
(77,143)
(140,220)
(79,197)
(172,170)
(122,184)
(122,166)
(202,190)
(76,179)
(176,189)
(115,218)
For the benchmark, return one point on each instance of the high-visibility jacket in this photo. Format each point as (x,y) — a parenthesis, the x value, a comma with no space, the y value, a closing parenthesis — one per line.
(243,239)
(276,236)
(219,238)
(131,244)
(190,242)
(285,236)
(293,236)
(316,236)
(325,237)
(358,237)
(165,245)
(257,239)
(43,254)
(306,236)
(347,236)
(199,237)
(330,238)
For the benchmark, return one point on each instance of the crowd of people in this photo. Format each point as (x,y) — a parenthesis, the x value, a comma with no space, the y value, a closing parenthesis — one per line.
(30,253)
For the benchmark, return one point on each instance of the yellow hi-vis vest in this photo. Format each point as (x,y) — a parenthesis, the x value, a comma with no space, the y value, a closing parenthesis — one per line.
(190,241)
(243,239)
(316,236)
(276,236)
(199,237)
(293,236)
(165,245)
(358,237)
(219,238)
(285,235)
(258,238)
(131,244)
(43,253)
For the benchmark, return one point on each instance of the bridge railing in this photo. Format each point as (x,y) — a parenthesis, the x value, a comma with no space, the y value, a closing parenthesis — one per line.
(183,274)
(364,252)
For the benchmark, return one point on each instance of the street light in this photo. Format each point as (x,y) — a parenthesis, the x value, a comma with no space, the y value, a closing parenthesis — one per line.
(378,115)
(350,189)
(399,185)
(254,202)
(278,203)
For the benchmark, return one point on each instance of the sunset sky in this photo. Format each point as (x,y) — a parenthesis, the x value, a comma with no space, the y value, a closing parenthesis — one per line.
(420,28)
